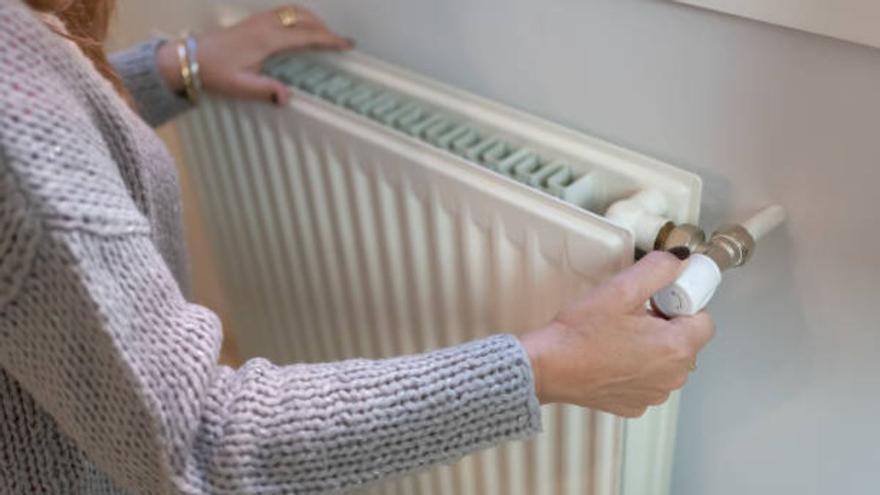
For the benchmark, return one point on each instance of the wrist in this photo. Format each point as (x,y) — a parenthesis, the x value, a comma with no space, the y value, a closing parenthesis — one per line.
(533,345)
(169,66)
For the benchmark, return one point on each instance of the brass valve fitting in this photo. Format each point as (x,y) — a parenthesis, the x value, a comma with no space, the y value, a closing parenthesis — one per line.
(730,246)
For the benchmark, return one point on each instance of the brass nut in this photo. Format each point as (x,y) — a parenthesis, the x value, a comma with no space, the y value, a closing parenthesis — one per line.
(730,246)
(687,235)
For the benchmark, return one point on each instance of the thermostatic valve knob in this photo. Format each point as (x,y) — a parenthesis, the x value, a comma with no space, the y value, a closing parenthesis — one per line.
(729,247)
(691,291)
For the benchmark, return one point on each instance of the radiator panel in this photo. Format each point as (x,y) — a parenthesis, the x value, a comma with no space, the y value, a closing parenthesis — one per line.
(339,239)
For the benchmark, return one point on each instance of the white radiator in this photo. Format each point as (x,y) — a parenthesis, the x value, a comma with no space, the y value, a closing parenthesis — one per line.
(383,214)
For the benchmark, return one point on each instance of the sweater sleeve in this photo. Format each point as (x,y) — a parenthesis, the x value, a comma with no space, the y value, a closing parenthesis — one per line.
(137,67)
(97,331)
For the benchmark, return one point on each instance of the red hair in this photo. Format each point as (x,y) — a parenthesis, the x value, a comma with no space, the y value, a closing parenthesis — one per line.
(86,22)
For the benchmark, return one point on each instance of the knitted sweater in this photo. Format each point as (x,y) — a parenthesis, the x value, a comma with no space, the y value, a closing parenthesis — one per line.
(109,380)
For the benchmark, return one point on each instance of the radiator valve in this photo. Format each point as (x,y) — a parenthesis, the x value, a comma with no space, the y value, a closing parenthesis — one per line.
(729,247)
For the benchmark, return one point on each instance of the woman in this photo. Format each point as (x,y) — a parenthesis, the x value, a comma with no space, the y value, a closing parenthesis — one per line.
(109,381)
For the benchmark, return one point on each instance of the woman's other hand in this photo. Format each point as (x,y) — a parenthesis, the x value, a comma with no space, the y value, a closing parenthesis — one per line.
(608,352)
(230,59)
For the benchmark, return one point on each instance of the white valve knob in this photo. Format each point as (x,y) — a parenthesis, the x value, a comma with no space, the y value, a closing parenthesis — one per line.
(692,289)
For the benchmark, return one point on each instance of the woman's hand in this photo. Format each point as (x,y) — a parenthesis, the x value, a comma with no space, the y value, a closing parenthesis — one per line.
(608,352)
(230,59)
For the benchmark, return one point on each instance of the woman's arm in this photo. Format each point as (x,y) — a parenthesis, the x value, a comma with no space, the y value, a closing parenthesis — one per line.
(230,60)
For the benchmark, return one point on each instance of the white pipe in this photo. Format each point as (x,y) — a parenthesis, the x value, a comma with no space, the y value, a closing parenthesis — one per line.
(641,214)
(764,221)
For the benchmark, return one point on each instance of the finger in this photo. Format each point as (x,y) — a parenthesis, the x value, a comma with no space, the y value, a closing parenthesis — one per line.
(674,377)
(631,411)
(696,330)
(314,38)
(631,288)
(304,18)
(258,87)
(660,398)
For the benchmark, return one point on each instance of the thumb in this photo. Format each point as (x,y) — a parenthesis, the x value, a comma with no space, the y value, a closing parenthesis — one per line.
(631,288)
(259,87)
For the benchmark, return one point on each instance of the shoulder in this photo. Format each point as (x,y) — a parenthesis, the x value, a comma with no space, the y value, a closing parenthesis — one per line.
(55,153)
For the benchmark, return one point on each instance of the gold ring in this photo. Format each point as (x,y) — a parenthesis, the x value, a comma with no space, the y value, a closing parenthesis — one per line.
(287,16)
(693,366)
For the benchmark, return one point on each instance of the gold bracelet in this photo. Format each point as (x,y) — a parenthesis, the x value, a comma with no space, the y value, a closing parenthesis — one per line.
(191,56)
(185,72)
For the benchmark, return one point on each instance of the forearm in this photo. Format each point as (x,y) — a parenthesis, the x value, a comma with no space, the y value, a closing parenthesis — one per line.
(325,427)
(148,73)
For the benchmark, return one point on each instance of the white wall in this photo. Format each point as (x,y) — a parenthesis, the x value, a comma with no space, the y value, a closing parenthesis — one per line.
(852,20)
(787,398)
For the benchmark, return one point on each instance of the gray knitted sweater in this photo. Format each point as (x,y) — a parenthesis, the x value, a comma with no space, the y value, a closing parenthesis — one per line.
(109,381)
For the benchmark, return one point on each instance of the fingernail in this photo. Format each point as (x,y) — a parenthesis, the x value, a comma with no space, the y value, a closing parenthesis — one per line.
(680,252)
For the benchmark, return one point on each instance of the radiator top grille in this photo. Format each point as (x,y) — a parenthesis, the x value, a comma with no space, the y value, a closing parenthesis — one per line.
(417,119)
